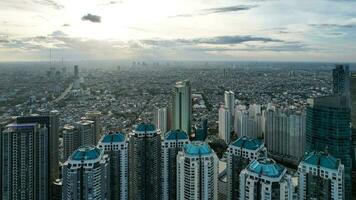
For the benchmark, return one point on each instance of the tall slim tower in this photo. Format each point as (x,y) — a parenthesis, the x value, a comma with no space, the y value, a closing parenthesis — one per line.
(162,120)
(95,117)
(145,163)
(86,130)
(321,176)
(239,154)
(328,129)
(265,179)
(229,97)
(76,71)
(182,106)
(341,80)
(224,124)
(71,140)
(197,172)
(116,146)
(86,175)
(172,144)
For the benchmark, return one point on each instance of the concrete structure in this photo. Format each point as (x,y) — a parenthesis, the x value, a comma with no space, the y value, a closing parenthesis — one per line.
(239,154)
(266,180)
(224,124)
(353,117)
(197,172)
(341,80)
(162,120)
(115,145)
(86,175)
(182,106)
(86,130)
(321,176)
(71,141)
(145,163)
(95,117)
(172,144)
(248,122)
(229,97)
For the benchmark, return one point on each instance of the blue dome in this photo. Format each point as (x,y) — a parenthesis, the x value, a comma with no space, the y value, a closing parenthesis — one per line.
(321,159)
(116,137)
(176,135)
(143,127)
(266,167)
(197,148)
(247,143)
(86,153)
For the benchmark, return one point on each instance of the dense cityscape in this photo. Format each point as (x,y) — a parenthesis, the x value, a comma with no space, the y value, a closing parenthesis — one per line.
(177,130)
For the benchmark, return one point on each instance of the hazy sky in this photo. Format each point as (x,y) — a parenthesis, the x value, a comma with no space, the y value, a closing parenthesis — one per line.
(295,30)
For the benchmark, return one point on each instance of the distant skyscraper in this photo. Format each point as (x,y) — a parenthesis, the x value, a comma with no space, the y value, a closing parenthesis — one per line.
(182,106)
(116,146)
(321,176)
(224,124)
(95,117)
(145,163)
(86,129)
(48,144)
(173,142)
(328,129)
(71,140)
(86,175)
(341,80)
(265,179)
(230,101)
(162,120)
(239,154)
(197,172)
(76,71)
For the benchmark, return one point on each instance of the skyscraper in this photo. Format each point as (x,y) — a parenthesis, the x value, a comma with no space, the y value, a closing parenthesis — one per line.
(49,142)
(86,175)
(341,80)
(162,120)
(95,117)
(229,97)
(145,163)
(328,129)
(86,130)
(116,146)
(353,116)
(248,122)
(182,106)
(172,144)
(71,140)
(197,172)
(76,71)
(321,176)
(265,179)
(224,124)
(239,154)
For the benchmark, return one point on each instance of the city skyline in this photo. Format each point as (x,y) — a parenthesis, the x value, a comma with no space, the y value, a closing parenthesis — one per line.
(245,30)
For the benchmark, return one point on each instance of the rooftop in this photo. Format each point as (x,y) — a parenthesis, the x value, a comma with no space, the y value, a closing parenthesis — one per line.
(247,143)
(176,135)
(115,137)
(322,159)
(197,148)
(86,153)
(143,127)
(266,167)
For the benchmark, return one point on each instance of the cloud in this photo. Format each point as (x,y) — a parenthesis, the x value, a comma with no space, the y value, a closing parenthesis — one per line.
(333,25)
(217,10)
(66,25)
(110,3)
(51,3)
(92,18)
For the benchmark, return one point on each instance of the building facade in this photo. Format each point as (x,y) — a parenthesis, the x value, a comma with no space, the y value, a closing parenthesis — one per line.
(197,172)
(229,97)
(182,106)
(162,119)
(239,154)
(86,175)
(115,145)
(86,130)
(224,124)
(172,144)
(145,163)
(71,141)
(321,176)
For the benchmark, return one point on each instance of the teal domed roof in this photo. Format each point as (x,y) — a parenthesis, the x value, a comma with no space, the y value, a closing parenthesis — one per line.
(266,167)
(176,135)
(197,148)
(86,153)
(247,143)
(143,127)
(116,137)
(321,159)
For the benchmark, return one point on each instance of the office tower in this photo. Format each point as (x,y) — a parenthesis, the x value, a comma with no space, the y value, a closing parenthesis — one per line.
(341,80)
(248,122)
(201,129)
(265,179)
(197,172)
(57,190)
(182,106)
(95,117)
(71,141)
(224,124)
(328,129)
(25,162)
(162,120)
(229,97)
(239,154)
(353,116)
(48,144)
(145,163)
(285,134)
(86,129)
(116,147)
(86,175)
(321,176)
(76,71)
(173,142)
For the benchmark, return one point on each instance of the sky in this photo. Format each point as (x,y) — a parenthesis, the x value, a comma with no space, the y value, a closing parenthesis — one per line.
(241,30)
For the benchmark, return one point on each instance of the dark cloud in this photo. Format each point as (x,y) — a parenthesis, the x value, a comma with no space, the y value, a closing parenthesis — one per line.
(66,25)
(91,18)
(325,25)
(217,10)
(51,3)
